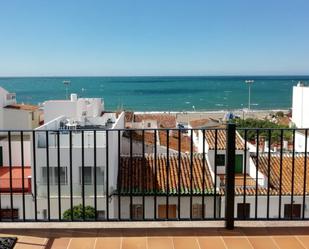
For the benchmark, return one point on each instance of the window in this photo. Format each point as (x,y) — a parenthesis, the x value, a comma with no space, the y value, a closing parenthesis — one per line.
(137,211)
(296,210)
(149,125)
(89,175)
(53,175)
(32,116)
(220,160)
(243,211)
(197,211)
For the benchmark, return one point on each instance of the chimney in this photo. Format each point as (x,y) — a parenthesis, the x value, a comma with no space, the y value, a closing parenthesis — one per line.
(285,145)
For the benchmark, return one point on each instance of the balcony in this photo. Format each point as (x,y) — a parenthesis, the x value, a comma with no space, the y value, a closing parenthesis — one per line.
(148,175)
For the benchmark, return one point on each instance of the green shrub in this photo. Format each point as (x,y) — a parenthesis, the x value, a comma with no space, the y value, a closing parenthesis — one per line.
(280,114)
(263,124)
(78,213)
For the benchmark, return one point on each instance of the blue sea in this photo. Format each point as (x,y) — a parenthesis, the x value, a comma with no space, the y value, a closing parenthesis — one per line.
(162,93)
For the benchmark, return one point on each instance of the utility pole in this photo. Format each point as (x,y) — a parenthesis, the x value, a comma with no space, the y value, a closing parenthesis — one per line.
(249,82)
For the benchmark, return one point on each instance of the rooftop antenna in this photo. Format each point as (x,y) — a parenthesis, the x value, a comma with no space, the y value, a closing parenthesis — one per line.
(66,83)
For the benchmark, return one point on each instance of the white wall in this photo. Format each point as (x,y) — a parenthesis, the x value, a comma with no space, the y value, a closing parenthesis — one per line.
(262,205)
(42,205)
(300,142)
(300,109)
(12,119)
(149,205)
(54,109)
(74,108)
(16,152)
(6,98)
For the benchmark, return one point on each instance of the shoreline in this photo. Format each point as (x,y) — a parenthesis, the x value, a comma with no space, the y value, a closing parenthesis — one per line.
(215,111)
(186,117)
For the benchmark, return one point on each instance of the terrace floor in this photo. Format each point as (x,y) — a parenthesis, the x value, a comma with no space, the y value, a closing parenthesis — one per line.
(161,238)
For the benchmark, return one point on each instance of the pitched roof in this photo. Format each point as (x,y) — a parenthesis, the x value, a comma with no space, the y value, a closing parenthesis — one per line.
(185,141)
(144,177)
(22,107)
(164,120)
(287,165)
(210,136)
(185,145)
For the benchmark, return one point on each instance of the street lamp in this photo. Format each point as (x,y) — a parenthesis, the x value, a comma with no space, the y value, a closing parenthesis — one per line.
(66,83)
(249,82)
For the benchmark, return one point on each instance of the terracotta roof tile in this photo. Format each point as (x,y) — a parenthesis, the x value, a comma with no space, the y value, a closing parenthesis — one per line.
(287,164)
(164,120)
(22,107)
(185,145)
(185,141)
(151,182)
(221,140)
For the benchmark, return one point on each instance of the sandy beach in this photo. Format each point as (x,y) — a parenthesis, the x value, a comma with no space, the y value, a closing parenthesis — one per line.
(185,117)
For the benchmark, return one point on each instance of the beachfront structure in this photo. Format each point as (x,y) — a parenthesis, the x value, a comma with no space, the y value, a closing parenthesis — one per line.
(16,116)
(300,109)
(76,108)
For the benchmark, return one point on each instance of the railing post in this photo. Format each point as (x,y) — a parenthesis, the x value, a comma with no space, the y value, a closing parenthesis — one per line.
(230,176)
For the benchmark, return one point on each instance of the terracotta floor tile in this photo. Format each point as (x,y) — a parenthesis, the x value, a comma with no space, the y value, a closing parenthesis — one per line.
(134,243)
(185,243)
(59,243)
(108,243)
(287,242)
(31,242)
(160,243)
(82,243)
(304,240)
(262,242)
(213,242)
(237,243)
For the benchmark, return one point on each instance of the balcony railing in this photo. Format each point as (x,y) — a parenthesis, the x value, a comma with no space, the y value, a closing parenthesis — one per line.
(154,175)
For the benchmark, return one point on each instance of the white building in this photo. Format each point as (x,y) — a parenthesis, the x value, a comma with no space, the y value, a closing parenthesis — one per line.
(14,116)
(300,109)
(73,108)
(84,131)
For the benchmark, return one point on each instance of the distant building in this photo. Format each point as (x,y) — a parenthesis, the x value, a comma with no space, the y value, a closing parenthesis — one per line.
(14,116)
(73,108)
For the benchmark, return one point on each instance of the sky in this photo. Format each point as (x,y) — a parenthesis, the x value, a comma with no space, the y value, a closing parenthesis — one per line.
(153,37)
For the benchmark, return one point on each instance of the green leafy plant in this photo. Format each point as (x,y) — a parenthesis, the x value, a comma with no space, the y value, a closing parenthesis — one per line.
(78,213)
(263,125)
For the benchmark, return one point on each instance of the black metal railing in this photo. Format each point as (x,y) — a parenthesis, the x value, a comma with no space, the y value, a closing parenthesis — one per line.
(154,174)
